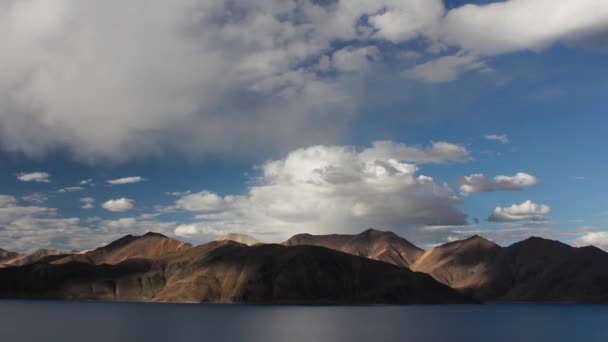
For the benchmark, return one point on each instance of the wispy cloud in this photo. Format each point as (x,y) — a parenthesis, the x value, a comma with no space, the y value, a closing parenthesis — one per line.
(125,180)
(38,177)
(503,138)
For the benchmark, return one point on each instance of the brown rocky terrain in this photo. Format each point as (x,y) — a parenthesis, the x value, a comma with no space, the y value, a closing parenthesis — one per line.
(148,246)
(371,267)
(372,243)
(36,256)
(533,270)
(230,272)
(7,257)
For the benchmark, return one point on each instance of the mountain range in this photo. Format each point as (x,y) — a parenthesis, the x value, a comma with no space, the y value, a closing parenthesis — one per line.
(374,267)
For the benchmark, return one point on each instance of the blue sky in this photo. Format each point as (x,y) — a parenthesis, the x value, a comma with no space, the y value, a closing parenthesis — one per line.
(276,133)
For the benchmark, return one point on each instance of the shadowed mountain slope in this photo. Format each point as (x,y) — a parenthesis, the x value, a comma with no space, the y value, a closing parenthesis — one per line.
(533,270)
(373,244)
(229,272)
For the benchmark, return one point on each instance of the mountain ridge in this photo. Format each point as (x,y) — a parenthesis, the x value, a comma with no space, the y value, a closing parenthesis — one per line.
(315,269)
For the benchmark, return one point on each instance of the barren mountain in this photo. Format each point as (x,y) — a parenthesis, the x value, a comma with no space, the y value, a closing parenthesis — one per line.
(229,272)
(37,256)
(7,257)
(148,246)
(533,270)
(241,238)
(373,244)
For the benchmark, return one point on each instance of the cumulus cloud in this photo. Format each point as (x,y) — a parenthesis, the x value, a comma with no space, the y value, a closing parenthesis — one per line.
(598,239)
(322,189)
(38,177)
(481,31)
(118,205)
(503,138)
(520,212)
(125,180)
(193,76)
(513,25)
(87,202)
(479,183)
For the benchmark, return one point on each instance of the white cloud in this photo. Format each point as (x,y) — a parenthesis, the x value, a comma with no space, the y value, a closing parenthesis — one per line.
(355,59)
(70,189)
(446,68)
(88,181)
(118,205)
(194,76)
(479,183)
(7,201)
(178,193)
(87,202)
(202,201)
(401,21)
(323,189)
(598,239)
(522,212)
(35,197)
(125,180)
(38,177)
(438,152)
(503,138)
(186,230)
(517,25)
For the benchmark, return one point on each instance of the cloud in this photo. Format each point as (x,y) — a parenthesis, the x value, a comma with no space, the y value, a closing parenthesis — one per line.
(178,193)
(38,177)
(598,239)
(503,138)
(481,31)
(517,25)
(522,212)
(70,189)
(7,201)
(193,76)
(88,182)
(118,205)
(202,201)
(479,183)
(126,180)
(438,153)
(351,59)
(87,202)
(323,189)
(446,68)
(35,197)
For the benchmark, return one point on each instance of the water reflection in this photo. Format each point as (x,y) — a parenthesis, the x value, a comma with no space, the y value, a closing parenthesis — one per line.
(89,321)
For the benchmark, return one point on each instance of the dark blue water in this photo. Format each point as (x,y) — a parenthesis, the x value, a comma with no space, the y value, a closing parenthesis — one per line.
(89,321)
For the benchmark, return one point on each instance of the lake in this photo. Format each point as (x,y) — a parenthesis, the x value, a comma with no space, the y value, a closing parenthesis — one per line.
(106,321)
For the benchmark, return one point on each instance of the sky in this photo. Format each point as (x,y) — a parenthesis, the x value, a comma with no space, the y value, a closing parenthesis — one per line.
(435,119)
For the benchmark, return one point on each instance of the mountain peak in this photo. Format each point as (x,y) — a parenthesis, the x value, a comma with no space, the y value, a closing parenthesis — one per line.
(154,234)
(240,238)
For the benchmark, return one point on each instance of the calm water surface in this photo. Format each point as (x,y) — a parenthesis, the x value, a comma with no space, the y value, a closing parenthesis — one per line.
(89,321)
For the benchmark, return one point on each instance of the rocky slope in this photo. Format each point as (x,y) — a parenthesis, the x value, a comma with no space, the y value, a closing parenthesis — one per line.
(533,270)
(7,257)
(373,244)
(229,272)
(148,246)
